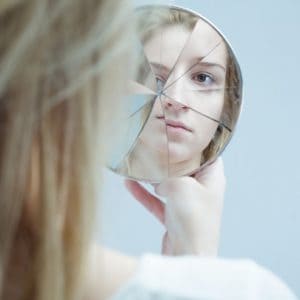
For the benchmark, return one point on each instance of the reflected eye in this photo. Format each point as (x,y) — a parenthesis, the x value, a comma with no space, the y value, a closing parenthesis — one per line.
(160,84)
(203,78)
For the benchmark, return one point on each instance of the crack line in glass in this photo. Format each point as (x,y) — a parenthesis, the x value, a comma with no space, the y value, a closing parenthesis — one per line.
(182,51)
(166,133)
(202,114)
(192,66)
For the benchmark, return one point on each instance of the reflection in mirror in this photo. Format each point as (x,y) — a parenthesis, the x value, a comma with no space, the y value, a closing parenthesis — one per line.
(185,98)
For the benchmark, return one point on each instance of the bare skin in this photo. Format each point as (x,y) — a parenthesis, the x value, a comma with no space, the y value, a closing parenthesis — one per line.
(108,271)
(192,212)
(191,216)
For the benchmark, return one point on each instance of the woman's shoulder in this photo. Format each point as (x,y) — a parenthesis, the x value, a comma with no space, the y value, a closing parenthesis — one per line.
(107,271)
(193,277)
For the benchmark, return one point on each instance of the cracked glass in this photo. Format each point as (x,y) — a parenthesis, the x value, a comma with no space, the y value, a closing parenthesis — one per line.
(183,101)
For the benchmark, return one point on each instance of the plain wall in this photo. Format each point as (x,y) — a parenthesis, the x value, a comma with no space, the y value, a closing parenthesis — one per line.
(261,214)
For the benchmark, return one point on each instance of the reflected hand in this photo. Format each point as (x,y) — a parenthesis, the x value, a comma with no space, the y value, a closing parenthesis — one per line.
(192,212)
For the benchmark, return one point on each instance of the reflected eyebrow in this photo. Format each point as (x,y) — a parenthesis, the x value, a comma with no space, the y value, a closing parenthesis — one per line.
(166,70)
(209,64)
(160,67)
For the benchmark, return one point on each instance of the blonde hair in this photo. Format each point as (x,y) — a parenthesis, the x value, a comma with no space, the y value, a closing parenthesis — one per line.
(56,99)
(151,19)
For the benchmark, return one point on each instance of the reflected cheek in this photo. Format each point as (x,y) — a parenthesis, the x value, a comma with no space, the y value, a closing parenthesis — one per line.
(204,131)
(154,131)
(211,106)
(157,109)
(216,106)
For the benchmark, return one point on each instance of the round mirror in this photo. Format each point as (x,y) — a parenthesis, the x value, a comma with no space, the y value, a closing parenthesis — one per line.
(184,100)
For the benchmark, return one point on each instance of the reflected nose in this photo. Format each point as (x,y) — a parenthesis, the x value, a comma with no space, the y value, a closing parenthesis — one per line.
(173,98)
(172,104)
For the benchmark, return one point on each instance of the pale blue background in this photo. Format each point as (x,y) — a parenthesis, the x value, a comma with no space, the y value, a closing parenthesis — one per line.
(261,215)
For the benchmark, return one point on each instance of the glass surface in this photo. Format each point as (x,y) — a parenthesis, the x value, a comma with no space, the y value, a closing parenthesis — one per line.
(184,100)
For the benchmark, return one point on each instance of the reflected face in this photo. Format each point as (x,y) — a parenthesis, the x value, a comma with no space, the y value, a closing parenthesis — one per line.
(190,69)
(184,97)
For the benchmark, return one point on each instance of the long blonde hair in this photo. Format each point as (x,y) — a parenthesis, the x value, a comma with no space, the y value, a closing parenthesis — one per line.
(56,101)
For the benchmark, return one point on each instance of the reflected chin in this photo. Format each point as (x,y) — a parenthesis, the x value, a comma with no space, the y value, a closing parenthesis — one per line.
(181,152)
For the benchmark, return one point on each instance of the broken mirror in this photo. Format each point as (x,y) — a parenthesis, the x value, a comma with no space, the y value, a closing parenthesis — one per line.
(184,99)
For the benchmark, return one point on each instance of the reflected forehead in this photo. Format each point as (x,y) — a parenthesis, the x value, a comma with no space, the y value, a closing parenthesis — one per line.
(167,43)
(205,41)
(171,37)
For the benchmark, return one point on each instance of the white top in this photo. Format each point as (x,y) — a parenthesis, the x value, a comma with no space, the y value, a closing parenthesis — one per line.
(191,277)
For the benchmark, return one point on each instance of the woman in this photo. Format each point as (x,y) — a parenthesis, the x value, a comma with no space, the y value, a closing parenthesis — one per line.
(56,70)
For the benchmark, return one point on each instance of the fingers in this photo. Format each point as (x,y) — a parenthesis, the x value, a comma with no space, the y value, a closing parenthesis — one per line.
(173,187)
(150,202)
(211,178)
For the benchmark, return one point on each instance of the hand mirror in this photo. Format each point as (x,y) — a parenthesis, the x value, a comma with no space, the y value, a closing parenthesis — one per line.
(185,97)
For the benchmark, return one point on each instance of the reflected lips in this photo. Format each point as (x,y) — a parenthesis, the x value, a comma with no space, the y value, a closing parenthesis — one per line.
(175,124)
